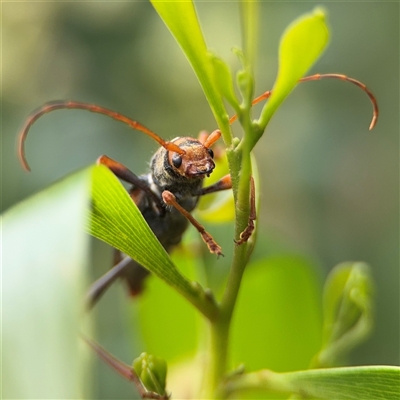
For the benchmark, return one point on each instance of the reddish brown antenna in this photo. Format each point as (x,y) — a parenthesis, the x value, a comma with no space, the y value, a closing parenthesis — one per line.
(316,77)
(212,138)
(58,105)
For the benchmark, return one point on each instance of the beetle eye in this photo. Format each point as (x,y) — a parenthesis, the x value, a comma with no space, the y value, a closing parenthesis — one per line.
(211,153)
(176,160)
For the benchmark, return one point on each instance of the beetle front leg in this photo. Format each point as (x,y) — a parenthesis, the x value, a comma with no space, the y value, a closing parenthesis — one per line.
(223,184)
(170,199)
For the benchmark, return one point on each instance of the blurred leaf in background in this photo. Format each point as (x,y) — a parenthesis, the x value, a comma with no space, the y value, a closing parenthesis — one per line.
(278,317)
(45,273)
(348,317)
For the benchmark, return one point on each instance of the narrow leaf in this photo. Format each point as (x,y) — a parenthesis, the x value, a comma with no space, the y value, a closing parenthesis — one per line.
(181,19)
(224,82)
(348,383)
(116,220)
(249,13)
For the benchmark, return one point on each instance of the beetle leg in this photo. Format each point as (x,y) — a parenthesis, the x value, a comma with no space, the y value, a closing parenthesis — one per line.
(127,175)
(212,245)
(223,184)
(98,288)
(245,235)
(124,267)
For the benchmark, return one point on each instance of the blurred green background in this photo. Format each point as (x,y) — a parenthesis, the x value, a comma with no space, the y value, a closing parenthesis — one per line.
(329,186)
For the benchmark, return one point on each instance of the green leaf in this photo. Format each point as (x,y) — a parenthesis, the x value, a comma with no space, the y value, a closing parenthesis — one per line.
(301,45)
(153,309)
(181,19)
(221,210)
(224,82)
(349,383)
(44,260)
(152,371)
(249,14)
(277,318)
(347,311)
(116,220)
(245,83)
(249,18)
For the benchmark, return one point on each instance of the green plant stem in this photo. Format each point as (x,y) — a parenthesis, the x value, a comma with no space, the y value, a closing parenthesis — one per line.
(240,252)
(220,327)
(217,357)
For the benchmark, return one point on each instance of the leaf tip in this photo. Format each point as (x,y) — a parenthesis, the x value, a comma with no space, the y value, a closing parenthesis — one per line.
(320,13)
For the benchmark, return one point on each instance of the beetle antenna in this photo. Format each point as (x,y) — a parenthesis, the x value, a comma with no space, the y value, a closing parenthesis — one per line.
(58,105)
(316,77)
(362,86)
(212,138)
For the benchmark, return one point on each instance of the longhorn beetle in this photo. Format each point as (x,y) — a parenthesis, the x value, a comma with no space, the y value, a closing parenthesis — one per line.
(177,172)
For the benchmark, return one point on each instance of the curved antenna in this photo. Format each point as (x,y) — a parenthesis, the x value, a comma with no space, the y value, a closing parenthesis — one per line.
(316,77)
(58,105)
